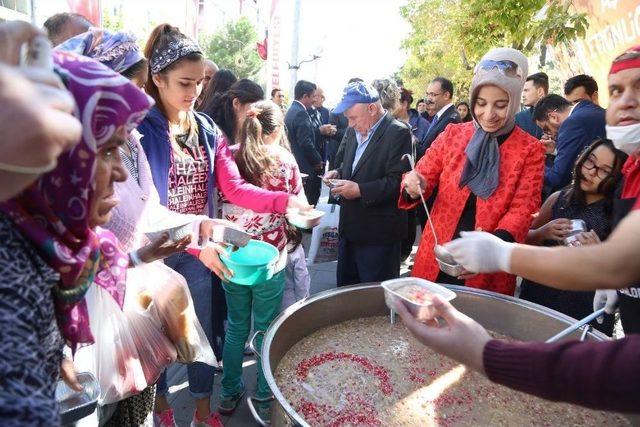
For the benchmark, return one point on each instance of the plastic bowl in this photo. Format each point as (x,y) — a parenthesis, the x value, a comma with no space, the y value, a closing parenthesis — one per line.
(305,219)
(251,264)
(453,270)
(175,233)
(75,405)
(577,226)
(420,308)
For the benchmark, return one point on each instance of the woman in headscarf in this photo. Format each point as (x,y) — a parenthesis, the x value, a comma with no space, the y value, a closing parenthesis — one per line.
(52,248)
(139,205)
(489,171)
(116,50)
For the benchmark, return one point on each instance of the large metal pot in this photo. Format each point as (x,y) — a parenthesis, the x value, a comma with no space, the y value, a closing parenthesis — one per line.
(506,315)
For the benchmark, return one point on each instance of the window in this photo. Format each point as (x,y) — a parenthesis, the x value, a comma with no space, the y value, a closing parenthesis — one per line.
(21,6)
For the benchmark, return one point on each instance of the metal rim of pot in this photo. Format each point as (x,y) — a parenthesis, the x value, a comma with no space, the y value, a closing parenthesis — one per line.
(269,335)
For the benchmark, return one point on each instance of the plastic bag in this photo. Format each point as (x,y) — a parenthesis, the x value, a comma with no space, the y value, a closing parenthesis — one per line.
(156,285)
(130,350)
(324,237)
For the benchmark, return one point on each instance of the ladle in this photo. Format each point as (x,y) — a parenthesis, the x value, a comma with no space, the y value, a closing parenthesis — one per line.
(577,326)
(441,253)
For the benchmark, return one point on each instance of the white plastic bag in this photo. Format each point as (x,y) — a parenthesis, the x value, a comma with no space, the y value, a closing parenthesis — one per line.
(130,350)
(156,285)
(324,237)
(156,327)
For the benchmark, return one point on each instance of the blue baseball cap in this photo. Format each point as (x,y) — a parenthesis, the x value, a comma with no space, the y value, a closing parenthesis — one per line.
(356,93)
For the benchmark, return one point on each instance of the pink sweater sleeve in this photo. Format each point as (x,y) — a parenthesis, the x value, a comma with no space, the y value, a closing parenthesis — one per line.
(241,193)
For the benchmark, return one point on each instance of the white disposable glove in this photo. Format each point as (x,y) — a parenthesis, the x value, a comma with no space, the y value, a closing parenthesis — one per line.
(606,298)
(481,252)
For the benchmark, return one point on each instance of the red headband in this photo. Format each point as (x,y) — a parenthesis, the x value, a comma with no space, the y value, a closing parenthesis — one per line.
(629,59)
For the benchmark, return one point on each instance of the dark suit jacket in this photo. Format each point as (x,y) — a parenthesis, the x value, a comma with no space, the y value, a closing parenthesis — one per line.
(450,115)
(584,125)
(320,139)
(341,123)
(300,132)
(374,218)
(524,119)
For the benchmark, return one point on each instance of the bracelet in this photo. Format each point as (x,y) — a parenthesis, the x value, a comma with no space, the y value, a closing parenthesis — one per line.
(135,258)
(28,170)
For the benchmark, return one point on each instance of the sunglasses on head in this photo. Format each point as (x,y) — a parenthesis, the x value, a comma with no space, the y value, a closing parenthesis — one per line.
(506,67)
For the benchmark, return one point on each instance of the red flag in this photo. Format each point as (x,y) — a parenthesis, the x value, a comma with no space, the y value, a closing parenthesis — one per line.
(262,49)
(88,8)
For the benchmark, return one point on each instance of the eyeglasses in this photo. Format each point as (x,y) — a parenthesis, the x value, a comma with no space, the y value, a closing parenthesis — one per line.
(433,94)
(601,172)
(506,67)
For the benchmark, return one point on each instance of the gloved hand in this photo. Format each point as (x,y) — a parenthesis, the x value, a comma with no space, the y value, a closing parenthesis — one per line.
(481,252)
(607,298)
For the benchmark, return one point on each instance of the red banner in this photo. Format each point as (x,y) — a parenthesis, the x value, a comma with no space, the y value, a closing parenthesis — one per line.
(89,8)
(614,25)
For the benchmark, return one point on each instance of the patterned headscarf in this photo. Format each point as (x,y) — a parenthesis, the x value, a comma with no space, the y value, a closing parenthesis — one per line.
(117,51)
(54,212)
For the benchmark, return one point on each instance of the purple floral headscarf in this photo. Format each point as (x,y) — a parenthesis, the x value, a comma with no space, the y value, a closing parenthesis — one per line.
(54,212)
(117,51)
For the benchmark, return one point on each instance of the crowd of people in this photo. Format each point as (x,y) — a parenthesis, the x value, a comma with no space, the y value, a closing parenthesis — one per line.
(110,140)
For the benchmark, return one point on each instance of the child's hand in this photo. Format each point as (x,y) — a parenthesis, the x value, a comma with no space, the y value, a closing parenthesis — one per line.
(210,257)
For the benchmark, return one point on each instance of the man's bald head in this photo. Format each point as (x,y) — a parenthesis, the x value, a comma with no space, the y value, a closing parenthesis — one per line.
(62,26)
(318,97)
(210,70)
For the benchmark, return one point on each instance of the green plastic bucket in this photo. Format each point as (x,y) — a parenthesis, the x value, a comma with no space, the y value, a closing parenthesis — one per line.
(252,264)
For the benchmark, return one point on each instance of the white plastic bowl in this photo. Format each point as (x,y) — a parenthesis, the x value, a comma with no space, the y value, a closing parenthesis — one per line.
(420,310)
(304,219)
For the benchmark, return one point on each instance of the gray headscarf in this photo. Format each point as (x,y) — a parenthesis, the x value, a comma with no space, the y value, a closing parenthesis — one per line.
(481,172)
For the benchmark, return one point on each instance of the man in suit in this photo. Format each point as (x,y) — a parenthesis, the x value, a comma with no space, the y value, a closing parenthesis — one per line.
(368,184)
(574,128)
(320,119)
(581,88)
(301,134)
(535,88)
(341,123)
(278,98)
(421,107)
(439,98)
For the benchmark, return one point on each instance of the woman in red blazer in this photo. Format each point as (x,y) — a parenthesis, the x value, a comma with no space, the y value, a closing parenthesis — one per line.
(488,172)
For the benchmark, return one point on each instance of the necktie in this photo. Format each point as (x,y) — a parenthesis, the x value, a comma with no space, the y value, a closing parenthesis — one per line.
(433,124)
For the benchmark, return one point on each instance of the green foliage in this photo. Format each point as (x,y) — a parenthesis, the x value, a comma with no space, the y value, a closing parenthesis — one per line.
(234,48)
(112,21)
(449,36)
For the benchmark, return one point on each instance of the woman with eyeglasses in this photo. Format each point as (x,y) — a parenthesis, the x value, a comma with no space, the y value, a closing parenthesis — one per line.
(489,172)
(596,175)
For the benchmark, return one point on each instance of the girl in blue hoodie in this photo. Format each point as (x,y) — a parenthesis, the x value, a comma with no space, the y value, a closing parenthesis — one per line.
(189,159)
